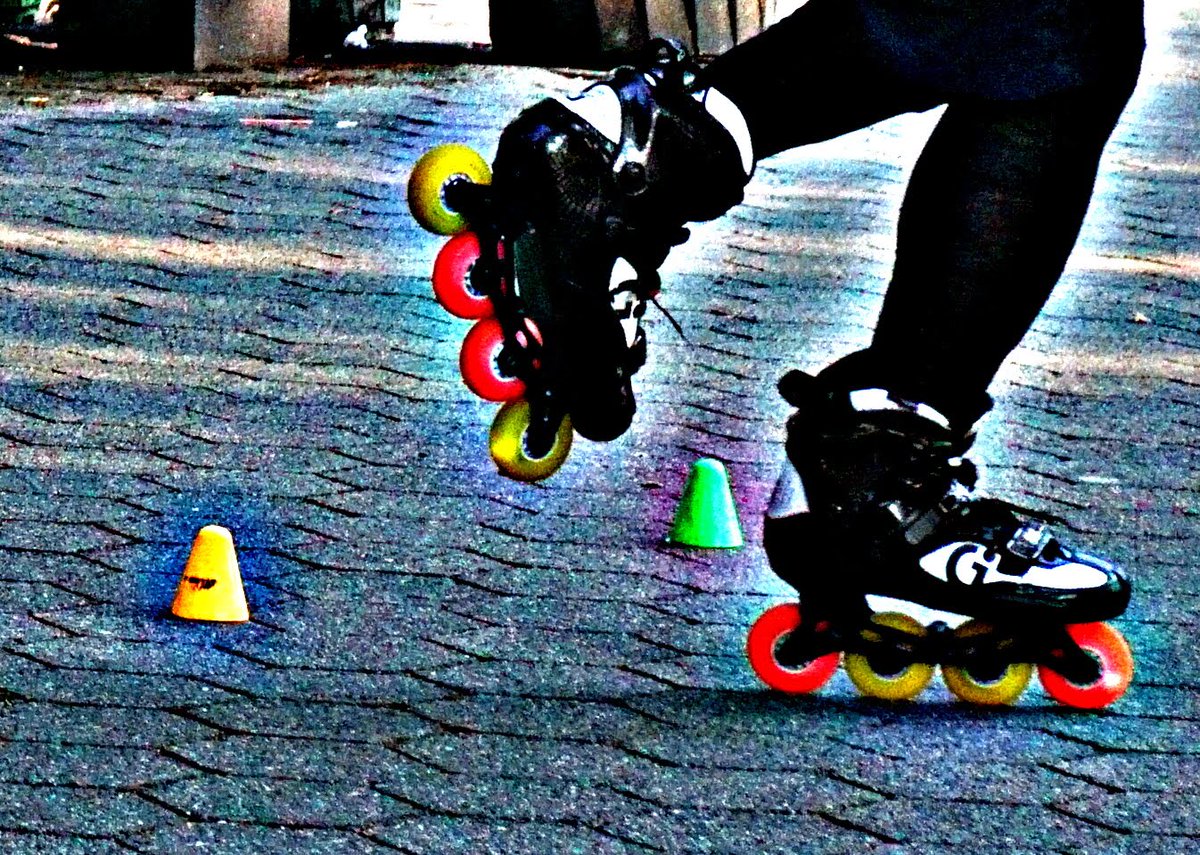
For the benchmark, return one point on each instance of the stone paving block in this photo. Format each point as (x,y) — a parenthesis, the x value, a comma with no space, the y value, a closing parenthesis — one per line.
(57,843)
(762,831)
(35,535)
(1141,773)
(227,837)
(86,766)
(377,653)
(100,654)
(69,810)
(1172,815)
(115,726)
(577,759)
(531,717)
(277,802)
(315,719)
(551,802)
(436,834)
(964,823)
(325,758)
(510,645)
(679,740)
(542,680)
(1140,735)
(91,688)
(342,684)
(722,791)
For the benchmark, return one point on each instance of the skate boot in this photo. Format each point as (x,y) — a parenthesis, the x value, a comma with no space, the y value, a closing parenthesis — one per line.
(568,228)
(877,504)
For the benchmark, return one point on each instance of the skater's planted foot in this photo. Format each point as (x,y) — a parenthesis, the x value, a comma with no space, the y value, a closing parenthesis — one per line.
(876,501)
(879,482)
(592,193)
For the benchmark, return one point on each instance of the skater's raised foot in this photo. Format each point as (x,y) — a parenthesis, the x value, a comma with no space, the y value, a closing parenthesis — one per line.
(592,193)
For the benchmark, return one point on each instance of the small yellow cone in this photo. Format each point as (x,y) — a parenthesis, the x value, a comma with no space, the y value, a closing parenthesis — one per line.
(211,587)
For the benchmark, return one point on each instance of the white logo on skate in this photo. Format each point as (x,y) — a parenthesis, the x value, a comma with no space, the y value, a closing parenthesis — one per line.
(965,563)
(975,564)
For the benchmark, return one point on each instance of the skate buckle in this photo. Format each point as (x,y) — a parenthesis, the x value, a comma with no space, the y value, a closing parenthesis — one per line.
(1029,541)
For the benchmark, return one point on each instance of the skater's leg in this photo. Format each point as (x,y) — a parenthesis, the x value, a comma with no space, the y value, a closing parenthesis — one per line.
(811,77)
(991,215)
(876,446)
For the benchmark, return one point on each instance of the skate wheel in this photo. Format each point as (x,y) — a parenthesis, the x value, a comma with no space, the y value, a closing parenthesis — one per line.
(772,627)
(510,451)
(1111,650)
(992,689)
(480,363)
(452,279)
(875,676)
(430,176)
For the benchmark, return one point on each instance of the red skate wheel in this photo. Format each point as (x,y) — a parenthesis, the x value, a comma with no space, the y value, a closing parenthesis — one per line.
(452,279)
(768,631)
(479,361)
(1111,650)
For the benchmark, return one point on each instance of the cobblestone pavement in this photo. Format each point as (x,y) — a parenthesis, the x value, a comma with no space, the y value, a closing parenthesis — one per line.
(207,320)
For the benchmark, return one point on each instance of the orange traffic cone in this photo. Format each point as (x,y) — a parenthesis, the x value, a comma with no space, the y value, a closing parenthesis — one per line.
(211,587)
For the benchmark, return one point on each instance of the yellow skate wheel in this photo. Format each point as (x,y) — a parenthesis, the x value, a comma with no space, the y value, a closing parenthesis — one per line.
(998,689)
(509,450)
(877,678)
(429,179)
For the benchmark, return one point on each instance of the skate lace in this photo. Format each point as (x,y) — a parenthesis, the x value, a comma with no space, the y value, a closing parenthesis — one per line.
(671,67)
(645,290)
(674,323)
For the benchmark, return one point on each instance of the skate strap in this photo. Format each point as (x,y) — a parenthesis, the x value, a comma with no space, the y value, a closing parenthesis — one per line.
(1030,532)
(637,127)
(918,524)
(669,69)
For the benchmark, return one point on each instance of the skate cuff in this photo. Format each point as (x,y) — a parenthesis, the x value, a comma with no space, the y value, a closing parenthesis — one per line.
(880,400)
(730,117)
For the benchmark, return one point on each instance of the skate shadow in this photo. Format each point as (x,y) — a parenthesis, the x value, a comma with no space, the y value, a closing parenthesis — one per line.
(935,707)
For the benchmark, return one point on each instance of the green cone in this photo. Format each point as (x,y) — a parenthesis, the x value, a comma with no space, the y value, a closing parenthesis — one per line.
(707,516)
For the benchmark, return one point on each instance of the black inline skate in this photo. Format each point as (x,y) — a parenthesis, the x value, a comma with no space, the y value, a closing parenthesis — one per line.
(877,502)
(557,246)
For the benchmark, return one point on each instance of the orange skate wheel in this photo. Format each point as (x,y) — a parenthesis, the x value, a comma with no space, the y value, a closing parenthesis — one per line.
(1106,644)
(771,628)
(428,181)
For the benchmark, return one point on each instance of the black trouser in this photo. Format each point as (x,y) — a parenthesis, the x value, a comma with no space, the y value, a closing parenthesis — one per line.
(994,205)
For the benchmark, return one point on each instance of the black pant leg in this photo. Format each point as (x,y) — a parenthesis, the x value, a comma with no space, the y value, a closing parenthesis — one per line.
(989,219)
(811,77)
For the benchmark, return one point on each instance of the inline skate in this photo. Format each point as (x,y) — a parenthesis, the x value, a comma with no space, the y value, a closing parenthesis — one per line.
(876,505)
(557,244)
